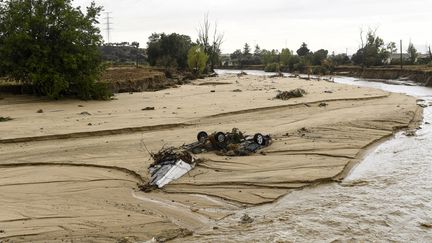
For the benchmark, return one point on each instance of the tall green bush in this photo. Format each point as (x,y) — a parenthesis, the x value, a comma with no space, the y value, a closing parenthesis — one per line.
(51,45)
(197,59)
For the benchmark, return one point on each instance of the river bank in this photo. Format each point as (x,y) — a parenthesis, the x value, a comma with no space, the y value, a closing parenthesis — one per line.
(420,74)
(121,80)
(422,77)
(385,198)
(60,185)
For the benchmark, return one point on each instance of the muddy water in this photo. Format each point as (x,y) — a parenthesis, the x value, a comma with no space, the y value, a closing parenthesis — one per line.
(387,197)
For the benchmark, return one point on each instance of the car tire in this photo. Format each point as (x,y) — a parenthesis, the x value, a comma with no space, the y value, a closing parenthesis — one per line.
(259,139)
(220,139)
(202,137)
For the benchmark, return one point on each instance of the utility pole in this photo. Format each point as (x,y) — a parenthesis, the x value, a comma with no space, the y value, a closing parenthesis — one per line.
(401,55)
(430,53)
(108,27)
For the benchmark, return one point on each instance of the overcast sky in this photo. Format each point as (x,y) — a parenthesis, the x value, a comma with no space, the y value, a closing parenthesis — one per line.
(274,24)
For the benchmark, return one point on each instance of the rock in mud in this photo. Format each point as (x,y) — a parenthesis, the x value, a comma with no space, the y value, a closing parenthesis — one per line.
(246,219)
(85,113)
(426,225)
(149,108)
(39,111)
(237,90)
(410,133)
(172,234)
(278,75)
(323,104)
(242,74)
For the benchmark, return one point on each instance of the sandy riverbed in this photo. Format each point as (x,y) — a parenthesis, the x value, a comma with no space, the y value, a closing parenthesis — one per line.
(71,171)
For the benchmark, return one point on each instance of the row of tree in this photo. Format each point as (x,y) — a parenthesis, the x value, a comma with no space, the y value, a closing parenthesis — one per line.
(286,59)
(373,52)
(57,48)
(178,51)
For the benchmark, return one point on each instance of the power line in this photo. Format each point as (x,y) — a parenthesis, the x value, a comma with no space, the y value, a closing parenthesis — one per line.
(108,24)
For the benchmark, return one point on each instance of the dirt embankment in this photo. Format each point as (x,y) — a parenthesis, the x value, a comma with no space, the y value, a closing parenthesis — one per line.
(423,77)
(121,80)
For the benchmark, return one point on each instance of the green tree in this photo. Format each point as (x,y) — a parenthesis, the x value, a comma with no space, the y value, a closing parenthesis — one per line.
(391,48)
(340,59)
(319,56)
(257,52)
(268,57)
(373,52)
(246,50)
(168,50)
(197,59)
(303,50)
(412,53)
(211,39)
(52,46)
(285,56)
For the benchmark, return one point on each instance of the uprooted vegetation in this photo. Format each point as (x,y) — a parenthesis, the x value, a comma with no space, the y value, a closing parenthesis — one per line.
(295,93)
(5,119)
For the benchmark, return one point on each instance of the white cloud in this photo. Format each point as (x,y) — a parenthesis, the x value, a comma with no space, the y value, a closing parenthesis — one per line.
(329,24)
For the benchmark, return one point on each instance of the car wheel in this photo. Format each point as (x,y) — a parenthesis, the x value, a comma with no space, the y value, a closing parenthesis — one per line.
(202,137)
(259,139)
(220,139)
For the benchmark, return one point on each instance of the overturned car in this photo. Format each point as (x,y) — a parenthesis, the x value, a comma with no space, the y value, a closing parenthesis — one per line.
(172,163)
(233,143)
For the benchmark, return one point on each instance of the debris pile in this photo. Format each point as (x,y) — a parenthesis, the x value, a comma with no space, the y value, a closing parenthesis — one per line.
(246,219)
(234,143)
(242,73)
(169,164)
(5,119)
(410,133)
(277,75)
(172,163)
(286,95)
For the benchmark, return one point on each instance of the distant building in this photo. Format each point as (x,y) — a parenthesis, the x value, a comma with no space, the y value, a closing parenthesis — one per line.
(226,60)
(396,57)
(424,58)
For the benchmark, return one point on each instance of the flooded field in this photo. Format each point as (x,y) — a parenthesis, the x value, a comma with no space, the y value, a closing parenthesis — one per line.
(387,197)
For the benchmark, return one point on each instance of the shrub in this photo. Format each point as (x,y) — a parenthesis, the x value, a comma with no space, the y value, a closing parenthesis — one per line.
(54,49)
(272,67)
(197,59)
(320,70)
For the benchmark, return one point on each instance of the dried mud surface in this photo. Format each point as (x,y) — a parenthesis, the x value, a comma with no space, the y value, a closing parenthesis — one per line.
(71,171)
